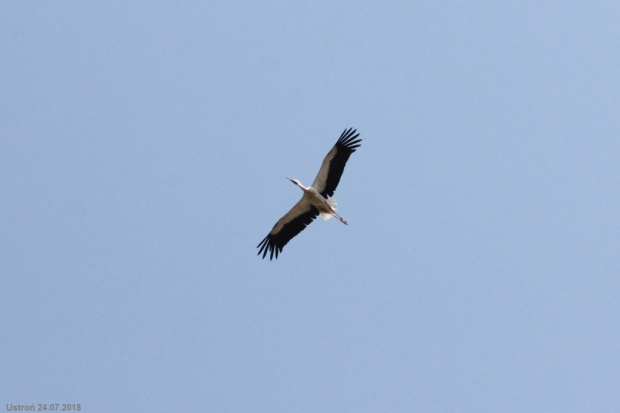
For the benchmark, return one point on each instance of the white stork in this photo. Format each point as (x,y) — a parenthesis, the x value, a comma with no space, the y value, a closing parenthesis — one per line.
(314,201)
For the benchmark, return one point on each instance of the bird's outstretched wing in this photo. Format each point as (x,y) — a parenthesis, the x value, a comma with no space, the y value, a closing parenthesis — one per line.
(332,167)
(291,224)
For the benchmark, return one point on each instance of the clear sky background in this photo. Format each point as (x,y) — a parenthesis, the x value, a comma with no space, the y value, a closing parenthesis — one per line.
(143,153)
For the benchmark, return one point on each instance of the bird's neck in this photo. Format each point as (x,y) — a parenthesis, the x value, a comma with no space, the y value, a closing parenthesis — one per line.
(303,188)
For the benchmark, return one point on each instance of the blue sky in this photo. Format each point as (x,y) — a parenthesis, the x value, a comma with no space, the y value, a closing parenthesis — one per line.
(143,153)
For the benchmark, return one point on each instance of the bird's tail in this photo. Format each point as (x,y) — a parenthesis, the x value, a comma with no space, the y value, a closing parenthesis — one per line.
(328,214)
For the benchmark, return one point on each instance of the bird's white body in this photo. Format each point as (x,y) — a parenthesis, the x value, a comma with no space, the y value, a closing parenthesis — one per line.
(327,207)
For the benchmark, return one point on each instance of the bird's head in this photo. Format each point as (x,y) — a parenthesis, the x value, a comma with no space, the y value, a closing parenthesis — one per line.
(295,181)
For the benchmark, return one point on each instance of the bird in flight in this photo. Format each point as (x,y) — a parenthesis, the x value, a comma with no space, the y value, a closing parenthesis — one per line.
(315,200)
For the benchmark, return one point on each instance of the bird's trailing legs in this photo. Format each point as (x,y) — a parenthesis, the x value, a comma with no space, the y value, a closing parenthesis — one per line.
(344,221)
(330,206)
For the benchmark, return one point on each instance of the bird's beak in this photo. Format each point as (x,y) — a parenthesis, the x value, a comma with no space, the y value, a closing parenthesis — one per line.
(290,179)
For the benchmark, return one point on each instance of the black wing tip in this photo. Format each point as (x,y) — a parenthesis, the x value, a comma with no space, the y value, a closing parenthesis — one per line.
(268,245)
(348,139)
